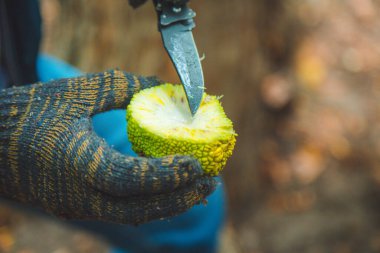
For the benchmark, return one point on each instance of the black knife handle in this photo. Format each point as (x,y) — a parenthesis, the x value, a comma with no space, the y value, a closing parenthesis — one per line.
(171,2)
(169,13)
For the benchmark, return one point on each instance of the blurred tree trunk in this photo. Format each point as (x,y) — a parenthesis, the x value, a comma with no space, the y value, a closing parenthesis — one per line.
(243,41)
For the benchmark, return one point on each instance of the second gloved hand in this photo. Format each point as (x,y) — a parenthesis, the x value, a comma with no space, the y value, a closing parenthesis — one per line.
(50,157)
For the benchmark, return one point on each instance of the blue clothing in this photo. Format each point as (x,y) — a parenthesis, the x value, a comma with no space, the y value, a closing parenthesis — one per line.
(197,230)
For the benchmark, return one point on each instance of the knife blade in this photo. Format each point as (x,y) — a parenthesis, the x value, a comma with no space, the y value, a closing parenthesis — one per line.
(176,24)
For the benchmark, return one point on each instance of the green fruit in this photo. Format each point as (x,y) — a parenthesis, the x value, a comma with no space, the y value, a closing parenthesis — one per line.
(160,124)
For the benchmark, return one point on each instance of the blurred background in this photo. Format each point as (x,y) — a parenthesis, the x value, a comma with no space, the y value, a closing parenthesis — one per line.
(300,81)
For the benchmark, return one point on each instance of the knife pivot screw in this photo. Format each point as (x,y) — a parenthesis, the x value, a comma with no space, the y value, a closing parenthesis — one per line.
(177,9)
(163,16)
(159,7)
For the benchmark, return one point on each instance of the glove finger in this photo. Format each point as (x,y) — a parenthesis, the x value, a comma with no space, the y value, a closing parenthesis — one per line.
(152,176)
(115,89)
(99,92)
(137,210)
(109,171)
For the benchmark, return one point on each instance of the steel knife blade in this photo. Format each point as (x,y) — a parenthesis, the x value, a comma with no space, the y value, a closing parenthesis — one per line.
(176,24)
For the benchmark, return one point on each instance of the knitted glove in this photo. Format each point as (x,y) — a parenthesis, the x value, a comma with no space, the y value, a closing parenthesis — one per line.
(50,157)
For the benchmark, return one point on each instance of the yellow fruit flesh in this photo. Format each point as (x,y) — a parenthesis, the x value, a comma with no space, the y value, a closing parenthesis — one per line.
(160,124)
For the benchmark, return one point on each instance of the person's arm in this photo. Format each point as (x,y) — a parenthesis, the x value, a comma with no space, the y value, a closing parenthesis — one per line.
(51,158)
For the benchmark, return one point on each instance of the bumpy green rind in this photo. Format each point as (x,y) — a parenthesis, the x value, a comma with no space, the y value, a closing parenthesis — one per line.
(212,154)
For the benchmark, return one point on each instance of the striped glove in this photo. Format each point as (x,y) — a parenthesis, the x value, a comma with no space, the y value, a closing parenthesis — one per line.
(51,158)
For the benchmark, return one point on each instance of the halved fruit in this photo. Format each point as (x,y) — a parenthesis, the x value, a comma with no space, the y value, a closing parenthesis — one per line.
(160,124)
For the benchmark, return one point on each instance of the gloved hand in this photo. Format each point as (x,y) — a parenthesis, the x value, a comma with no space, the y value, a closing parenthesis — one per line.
(50,157)
(138,3)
